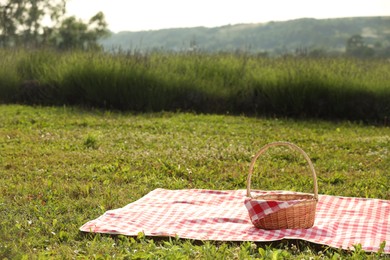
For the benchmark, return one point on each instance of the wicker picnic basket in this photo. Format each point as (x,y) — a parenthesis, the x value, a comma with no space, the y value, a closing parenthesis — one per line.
(300,215)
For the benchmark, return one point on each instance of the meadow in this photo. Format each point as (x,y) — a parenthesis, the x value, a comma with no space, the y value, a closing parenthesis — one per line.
(62,166)
(299,87)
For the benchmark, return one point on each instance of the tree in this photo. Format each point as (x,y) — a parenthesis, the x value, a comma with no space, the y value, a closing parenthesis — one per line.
(37,23)
(74,34)
(357,48)
(21,21)
(10,14)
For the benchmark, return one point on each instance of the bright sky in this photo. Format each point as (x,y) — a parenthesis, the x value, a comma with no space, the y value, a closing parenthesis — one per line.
(138,15)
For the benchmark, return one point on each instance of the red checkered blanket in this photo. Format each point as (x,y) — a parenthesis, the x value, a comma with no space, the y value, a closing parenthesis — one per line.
(259,208)
(340,222)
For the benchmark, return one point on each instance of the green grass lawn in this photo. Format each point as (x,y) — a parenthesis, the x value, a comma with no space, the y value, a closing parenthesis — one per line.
(61,167)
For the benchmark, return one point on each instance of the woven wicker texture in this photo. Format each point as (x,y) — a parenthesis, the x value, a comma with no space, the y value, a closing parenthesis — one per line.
(301,212)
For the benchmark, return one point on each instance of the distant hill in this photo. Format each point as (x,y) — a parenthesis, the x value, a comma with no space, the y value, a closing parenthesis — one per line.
(272,37)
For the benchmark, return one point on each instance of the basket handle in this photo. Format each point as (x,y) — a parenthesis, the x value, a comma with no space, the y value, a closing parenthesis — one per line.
(290,145)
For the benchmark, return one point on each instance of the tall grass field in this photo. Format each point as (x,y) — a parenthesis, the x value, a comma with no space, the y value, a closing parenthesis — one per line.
(325,88)
(63,166)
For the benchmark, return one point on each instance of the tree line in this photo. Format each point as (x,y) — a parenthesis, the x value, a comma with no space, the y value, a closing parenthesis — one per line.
(43,23)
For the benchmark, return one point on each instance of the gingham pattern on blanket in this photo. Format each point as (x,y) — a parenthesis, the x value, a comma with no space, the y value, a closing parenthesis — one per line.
(258,209)
(340,222)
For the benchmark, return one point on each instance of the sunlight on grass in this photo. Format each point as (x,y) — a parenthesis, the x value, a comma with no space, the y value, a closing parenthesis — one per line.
(63,166)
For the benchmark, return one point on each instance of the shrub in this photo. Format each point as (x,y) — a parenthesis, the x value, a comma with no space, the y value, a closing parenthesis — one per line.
(209,83)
